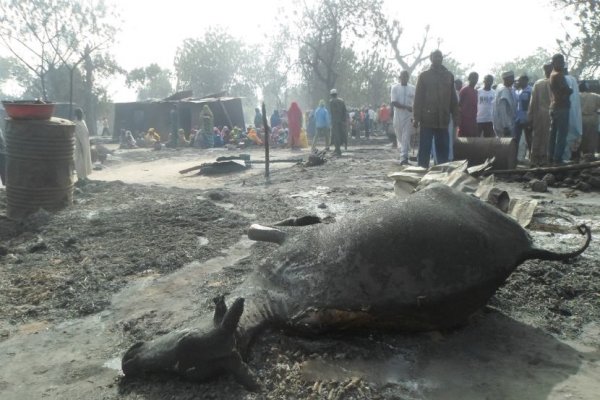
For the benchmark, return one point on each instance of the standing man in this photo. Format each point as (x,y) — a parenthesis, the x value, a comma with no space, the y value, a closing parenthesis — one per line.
(560,106)
(174,125)
(368,122)
(485,108)
(105,130)
(384,116)
(83,155)
(575,124)
(467,105)
(523,94)
(323,125)
(339,119)
(258,119)
(452,126)
(2,159)
(590,115)
(538,116)
(435,103)
(505,106)
(403,98)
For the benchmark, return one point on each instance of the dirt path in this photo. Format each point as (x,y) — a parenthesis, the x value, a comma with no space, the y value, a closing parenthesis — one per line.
(162,168)
(128,262)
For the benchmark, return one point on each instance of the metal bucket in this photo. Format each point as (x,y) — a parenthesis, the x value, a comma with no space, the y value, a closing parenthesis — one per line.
(476,150)
(39,165)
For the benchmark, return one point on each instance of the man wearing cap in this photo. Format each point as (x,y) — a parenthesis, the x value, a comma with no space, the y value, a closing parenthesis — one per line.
(435,103)
(538,116)
(339,119)
(560,106)
(403,97)
(505,106)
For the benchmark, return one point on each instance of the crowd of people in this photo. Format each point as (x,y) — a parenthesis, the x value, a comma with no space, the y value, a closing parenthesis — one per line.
(555,120)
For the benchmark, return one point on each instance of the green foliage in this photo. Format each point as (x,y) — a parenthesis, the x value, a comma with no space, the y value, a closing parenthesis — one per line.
(530,66)
(461,71)
(213,63)
(151,82)
(365,79)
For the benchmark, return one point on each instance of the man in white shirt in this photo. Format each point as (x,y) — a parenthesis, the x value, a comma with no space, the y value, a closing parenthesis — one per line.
(485,108)
(403,97)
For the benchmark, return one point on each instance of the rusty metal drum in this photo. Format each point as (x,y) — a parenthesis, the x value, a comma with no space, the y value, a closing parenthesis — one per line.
(39,165)
(476,150)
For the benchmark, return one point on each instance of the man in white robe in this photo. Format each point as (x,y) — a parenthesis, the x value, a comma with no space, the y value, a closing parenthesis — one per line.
(403,97)
(83,157)
(575,119)
(505,107)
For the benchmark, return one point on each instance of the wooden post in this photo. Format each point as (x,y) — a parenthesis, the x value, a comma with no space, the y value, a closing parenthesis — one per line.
(267,140)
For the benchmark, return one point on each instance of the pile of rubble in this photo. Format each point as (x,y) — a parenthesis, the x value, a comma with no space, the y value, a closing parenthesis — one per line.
(585,180)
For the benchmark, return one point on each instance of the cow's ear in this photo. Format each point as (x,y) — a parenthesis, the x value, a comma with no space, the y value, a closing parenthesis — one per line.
(233,315)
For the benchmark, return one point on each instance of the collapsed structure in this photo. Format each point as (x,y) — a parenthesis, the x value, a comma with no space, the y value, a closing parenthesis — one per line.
(139,116)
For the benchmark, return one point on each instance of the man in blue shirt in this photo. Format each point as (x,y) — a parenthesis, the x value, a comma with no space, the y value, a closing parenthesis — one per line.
(323,124)
(523,94)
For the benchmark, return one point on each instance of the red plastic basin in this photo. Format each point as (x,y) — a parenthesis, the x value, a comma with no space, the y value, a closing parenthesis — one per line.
(28,109)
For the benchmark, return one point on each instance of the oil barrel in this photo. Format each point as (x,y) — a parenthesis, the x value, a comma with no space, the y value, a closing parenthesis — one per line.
(476,150)
(39,165)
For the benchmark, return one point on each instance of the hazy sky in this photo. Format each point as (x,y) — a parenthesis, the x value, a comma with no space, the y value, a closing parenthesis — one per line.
(482,33)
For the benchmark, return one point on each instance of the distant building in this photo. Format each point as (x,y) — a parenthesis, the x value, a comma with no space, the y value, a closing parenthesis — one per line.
(141,116)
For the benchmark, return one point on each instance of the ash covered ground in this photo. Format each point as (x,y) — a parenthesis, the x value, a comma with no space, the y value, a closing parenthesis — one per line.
(144,250)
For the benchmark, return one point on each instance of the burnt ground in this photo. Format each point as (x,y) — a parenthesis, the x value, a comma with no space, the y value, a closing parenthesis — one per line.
(66,274)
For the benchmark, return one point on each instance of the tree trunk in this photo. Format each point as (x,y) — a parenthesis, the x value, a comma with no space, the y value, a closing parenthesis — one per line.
(89,102)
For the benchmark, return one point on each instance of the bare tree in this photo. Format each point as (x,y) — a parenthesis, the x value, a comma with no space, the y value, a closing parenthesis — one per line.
(84,29)
(324,28)
(47,34)
(27,29)
(411,58)
(581,42)
(273,69)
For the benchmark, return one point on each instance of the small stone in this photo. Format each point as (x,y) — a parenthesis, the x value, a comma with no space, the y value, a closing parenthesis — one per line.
(594,182)
(70,241)
(36,220)
(539,186)
(38,246)
(322,205)
(217,195)
(584,187)
(549,179)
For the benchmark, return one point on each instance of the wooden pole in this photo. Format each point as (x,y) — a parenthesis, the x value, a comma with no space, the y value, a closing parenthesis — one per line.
(562,168)
(267,140)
